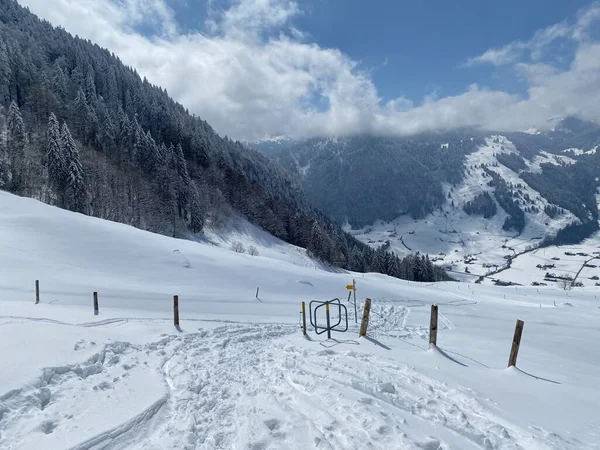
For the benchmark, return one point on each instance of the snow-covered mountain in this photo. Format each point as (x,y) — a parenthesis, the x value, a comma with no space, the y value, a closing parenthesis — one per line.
(458,197)
(272,146)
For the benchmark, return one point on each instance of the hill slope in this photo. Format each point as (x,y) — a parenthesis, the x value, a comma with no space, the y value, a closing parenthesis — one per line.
(241,375)
(81,131)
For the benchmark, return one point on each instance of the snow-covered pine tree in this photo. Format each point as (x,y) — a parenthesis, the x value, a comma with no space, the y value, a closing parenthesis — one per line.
(181,165)
(109,131)
(427,268)
(156,157)
(76,198)
(90,88)
(185,191)
(5,172)
(393,269)
(357,260)
(316,240)
(16,140)
(196,217)
(137,152)
(5,72)
(81,111)
(59,83)
(55,160)
(379,264)
(125,129)
(111,94)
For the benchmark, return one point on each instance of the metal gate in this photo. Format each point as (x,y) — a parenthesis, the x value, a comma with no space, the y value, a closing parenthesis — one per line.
(340,325)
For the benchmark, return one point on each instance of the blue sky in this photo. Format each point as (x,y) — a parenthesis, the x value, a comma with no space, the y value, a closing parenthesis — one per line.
(260,68)
(416,48)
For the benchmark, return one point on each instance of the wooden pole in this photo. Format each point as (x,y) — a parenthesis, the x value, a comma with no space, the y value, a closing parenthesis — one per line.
(355,307)
(433,325)
(365,320)
(96,309)
(37,291)
(304,318)
(176,310)
(328,321)
(257,292)
(514,351)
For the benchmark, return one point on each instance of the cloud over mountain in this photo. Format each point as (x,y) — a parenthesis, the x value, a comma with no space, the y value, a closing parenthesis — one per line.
(250,72)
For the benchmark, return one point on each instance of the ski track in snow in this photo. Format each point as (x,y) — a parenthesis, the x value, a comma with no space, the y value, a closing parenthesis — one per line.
(241,386)
(43,405)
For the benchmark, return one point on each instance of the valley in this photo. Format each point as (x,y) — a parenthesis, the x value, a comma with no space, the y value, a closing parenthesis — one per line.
(472,247)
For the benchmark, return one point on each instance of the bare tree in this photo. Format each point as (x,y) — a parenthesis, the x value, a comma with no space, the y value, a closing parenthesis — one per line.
(252,250)
(565,283)
(238,247)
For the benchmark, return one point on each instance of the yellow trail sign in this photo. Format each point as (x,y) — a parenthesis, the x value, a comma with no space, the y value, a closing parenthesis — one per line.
(350,287)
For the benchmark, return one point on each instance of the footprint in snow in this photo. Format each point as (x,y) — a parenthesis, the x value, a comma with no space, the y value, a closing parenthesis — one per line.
(48,426)
(272,424)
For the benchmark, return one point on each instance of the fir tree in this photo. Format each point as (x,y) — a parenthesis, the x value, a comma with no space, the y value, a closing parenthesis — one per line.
(75,184)
(5,72)
(90,88)
(5,172)
(81,111)
(16,140)
(59,83)
(316,240)
(357,261)
(55,160)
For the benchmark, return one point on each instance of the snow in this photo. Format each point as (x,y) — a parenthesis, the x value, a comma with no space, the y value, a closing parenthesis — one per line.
(575,151)
(567,261)
(579,152)
(240,230)
(239,374)
(548,158)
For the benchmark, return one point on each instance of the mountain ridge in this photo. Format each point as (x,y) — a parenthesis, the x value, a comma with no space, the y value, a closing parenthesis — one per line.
(543,183)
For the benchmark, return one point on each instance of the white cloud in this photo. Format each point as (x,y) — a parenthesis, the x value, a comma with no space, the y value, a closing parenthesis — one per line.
(537,45)
(514,51)
(542,38)
(508,54)
(586,18)
(246,18)
(256,75)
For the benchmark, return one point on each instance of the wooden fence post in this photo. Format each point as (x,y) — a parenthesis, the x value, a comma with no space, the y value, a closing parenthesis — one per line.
(96,309)
(514,351)
(355,307)
(37,291)
(433,325)
(304,318)
(176,310)
(365,320)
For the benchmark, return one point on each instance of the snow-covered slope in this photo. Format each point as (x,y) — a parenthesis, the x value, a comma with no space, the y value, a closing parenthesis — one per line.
(240,375)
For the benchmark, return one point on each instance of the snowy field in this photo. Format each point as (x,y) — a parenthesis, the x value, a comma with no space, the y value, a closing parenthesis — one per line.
(239,374)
